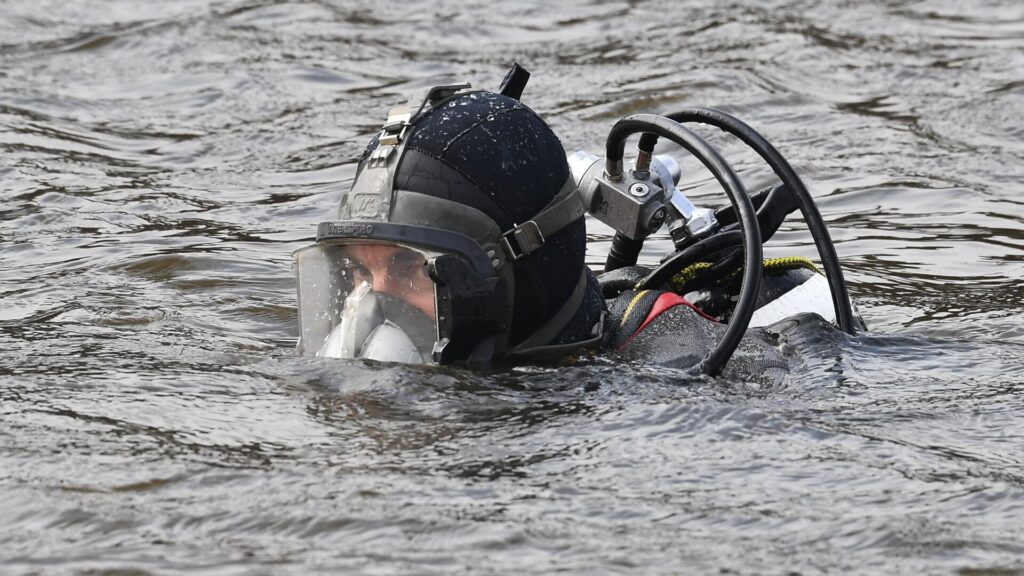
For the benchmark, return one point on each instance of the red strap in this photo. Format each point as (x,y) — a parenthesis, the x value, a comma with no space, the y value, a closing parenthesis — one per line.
(663,303)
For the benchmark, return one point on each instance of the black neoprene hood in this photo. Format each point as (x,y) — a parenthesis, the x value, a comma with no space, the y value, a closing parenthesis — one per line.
(492,154)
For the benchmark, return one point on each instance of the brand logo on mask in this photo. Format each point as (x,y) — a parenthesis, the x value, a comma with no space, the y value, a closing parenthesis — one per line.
(365,205)
(350,230)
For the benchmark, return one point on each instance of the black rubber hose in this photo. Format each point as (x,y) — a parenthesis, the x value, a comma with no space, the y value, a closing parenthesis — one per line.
(624,252)
(689,255)
(782,169)
(718,271)
(750,233)
(772,209)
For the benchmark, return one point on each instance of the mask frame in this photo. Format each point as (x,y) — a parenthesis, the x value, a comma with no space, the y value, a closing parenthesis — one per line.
(471,296)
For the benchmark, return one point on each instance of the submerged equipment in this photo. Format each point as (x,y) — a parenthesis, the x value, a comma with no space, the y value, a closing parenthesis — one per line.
(430,266)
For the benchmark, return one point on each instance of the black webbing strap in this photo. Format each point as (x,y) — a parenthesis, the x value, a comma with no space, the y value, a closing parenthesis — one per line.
(552,327)
(564,209)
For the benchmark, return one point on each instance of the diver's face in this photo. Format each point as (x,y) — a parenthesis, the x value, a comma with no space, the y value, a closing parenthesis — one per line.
(393,271)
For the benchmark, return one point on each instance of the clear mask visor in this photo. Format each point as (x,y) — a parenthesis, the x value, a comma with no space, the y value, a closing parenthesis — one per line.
(366,300)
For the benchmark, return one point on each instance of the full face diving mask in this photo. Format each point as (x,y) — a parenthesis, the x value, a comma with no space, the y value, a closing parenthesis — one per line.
(366,300)
(379,298)
(409,277)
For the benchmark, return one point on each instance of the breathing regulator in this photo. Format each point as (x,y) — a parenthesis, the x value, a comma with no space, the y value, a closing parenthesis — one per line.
(639,200)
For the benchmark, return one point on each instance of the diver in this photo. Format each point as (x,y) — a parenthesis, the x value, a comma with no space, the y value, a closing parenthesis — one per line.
(462,241)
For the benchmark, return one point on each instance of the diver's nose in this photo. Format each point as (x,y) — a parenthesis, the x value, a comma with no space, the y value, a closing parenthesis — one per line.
(386,282)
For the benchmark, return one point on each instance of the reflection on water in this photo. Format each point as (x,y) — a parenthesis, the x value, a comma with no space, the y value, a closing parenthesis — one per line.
(162,160)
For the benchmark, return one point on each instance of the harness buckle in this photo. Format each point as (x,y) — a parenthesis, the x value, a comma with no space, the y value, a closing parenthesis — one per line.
(527,237)
(395,126)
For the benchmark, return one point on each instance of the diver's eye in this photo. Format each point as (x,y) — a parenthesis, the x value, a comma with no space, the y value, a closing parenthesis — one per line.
(360,272)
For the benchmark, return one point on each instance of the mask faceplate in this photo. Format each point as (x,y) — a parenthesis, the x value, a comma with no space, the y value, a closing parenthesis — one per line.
(366,300)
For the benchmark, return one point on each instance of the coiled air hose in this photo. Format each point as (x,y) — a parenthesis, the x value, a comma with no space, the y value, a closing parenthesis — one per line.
(782,169)
(653,126)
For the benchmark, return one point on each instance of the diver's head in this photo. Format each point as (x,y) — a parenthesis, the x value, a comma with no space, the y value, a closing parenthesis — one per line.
(461,239)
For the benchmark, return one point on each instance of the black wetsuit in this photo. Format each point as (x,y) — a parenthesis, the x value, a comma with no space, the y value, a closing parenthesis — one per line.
(664,328)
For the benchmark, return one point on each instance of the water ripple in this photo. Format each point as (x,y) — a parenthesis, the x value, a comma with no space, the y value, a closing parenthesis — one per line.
(161,162)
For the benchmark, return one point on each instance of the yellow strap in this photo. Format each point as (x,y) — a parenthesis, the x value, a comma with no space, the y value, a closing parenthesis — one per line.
(632,303)
(686,274)
(678,282)
(789,262)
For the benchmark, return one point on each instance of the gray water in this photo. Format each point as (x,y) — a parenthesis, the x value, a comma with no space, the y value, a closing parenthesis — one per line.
(159,162)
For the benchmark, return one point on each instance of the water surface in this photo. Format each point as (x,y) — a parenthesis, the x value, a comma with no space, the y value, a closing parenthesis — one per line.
(160,161)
